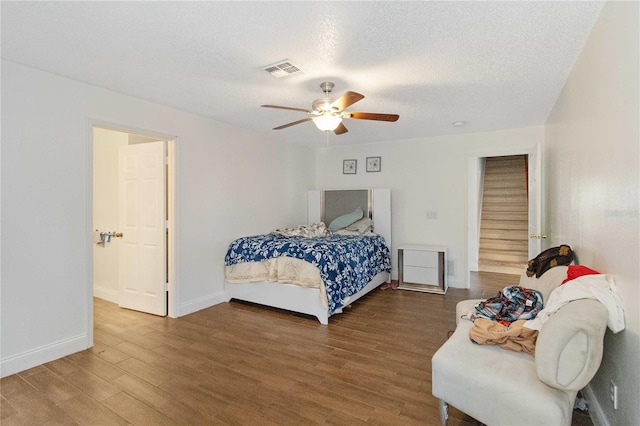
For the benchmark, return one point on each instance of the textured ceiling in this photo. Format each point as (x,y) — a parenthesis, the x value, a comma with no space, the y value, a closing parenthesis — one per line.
(494,65)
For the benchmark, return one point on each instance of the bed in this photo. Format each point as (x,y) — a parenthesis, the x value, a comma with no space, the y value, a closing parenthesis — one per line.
(320,273)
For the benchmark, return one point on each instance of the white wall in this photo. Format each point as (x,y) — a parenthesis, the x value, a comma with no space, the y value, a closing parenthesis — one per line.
(105,211)
(593,174)
(424,175)
(231,182)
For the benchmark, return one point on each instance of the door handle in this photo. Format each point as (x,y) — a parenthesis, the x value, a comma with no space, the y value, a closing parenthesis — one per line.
(538,236)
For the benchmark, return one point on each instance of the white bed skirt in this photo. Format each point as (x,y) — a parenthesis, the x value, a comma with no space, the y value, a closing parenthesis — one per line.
(293,297)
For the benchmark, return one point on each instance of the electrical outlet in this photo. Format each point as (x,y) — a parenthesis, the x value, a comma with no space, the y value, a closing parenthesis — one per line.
(432,214)
(613,394)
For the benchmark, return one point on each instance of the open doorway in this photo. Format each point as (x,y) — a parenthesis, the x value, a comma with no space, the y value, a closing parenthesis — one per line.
(533,196)
(504,215)
(133,207)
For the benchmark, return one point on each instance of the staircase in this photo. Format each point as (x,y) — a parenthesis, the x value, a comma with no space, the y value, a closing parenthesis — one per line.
(504,217)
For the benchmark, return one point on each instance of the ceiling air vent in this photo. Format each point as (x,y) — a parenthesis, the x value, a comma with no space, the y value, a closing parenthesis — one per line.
(283,69)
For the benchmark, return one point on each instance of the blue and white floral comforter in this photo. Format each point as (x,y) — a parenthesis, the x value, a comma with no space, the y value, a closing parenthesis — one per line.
(346,262)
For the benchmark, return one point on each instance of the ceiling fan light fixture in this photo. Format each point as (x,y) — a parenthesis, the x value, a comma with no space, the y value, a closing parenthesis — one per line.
(327,113)
(327,122)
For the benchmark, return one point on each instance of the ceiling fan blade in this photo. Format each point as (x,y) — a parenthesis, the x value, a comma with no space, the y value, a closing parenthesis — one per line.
(284,126)
(340,129)
(372,116)
(289,108)
(349,98)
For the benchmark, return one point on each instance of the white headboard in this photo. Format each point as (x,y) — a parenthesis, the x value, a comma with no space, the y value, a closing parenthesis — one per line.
(378,203)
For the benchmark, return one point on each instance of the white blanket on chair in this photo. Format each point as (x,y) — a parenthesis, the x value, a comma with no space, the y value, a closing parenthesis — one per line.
(600,287)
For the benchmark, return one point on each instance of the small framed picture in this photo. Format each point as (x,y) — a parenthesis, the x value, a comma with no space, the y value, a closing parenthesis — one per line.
(373,164)
(349,167)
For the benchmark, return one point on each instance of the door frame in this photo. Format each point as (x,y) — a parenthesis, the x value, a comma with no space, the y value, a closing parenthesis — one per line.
(173,285)
(474,196)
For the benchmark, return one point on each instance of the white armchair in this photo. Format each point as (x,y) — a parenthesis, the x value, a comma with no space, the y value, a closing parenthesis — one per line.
(501,387)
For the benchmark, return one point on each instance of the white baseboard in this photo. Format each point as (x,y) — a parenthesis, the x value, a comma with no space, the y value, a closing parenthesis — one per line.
(29,359)
(201,303)
(595,409)
(107,294)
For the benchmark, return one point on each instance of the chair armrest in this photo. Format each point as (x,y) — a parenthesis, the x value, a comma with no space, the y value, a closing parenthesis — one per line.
(569,346)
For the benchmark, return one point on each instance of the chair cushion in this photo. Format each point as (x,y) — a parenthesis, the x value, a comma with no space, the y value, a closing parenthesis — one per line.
(465,374)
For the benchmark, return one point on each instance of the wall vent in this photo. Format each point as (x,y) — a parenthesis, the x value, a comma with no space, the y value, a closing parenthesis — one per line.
(283,69)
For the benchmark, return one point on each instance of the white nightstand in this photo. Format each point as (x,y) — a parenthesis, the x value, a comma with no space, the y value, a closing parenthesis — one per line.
(422,268)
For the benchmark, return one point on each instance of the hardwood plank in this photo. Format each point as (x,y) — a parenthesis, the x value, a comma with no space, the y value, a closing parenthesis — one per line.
(52,386)
(109,354)
(35,409)
(162,401)
(104,337)
(92,385)
(95,365)
(62,366)
(87,411)
(135,411)
(6,409)
(145,371)
(14,386)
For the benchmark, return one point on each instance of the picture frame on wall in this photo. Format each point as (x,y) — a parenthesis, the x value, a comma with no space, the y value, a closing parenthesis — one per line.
(374,164)
(349,167)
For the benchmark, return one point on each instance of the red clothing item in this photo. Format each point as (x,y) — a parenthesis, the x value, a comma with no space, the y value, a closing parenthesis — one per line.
(575,271)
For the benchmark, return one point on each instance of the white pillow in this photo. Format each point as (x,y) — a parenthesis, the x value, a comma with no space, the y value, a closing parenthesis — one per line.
(361,226)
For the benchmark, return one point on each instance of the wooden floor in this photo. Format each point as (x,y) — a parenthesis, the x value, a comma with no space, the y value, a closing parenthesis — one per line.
(238,363)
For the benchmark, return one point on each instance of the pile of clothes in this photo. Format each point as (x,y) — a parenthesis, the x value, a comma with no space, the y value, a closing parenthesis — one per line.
(500,320)
(513,318)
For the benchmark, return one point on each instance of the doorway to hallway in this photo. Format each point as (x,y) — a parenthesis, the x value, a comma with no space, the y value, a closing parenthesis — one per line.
(132,204)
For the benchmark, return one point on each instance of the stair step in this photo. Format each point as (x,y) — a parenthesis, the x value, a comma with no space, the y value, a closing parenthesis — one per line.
(519,245)
(517,175)
(519,200)
(503,206)
(505,170)
(499,234)
(501,269)
(505,183)
(506,215)
(519,225)
(504,192)
(520,258)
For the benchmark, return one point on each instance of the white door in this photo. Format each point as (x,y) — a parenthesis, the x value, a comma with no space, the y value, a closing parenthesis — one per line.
(536,223)
(142,208)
